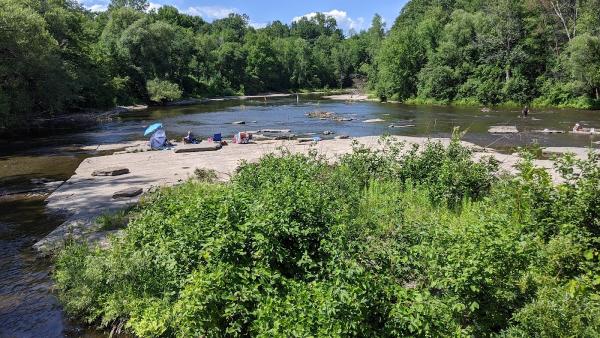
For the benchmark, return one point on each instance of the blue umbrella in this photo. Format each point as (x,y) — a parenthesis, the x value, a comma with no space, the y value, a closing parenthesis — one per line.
(152,128)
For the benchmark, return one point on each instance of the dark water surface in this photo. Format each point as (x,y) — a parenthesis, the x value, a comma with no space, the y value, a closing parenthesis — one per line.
(28,307)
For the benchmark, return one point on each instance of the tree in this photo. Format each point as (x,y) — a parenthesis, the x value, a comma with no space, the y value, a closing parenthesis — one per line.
(32,78)
(163,91)
(566,13)
(584,62)
(138,5)
(171,15)
(316,26)
(262,67)
(277,29)
(398,62)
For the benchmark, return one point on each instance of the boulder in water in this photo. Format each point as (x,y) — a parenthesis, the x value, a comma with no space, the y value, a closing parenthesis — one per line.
(503,130)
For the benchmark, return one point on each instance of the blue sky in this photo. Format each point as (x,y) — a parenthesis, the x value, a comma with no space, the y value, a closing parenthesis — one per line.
(350,14)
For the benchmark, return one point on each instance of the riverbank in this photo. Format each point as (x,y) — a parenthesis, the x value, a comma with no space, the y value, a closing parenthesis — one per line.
(76,122)
(465,103)
(66,123)
(85,197)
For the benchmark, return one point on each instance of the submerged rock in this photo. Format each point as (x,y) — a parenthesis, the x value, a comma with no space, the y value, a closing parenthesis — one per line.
(321,114)
(401,125)
(503,130)
(549,131)
(275,131)
(326,115)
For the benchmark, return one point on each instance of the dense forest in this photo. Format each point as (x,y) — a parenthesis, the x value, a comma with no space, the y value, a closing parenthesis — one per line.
(59,57)
(545,52)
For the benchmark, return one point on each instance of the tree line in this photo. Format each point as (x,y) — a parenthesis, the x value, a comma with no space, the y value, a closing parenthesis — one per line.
(541,52)
(58,56)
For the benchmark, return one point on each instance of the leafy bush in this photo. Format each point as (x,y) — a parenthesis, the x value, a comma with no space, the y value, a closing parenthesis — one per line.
(386,242)
(205,175)
(163,91)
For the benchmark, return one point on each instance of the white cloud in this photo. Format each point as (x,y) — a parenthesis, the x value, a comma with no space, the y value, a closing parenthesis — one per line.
(97,7)
(211,12)
(257,25)
(341,17)
(152,6)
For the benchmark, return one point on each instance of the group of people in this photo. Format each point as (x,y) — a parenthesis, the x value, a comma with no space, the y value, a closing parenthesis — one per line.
(159,141)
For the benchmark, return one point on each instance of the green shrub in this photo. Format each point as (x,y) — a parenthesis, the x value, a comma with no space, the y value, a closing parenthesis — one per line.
(163,91)
(386,242)
(205,175)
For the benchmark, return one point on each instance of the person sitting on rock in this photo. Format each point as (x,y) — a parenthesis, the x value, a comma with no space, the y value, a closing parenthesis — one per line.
(189,138)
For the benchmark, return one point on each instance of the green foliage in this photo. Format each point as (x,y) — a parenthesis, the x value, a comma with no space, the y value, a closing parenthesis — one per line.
(497,52)
(205,175)
(163,91)
(113,221)
(62,58)
(388,242)
(31,73)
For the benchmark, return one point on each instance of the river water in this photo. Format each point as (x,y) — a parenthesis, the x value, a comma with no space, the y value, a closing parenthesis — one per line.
(28,307)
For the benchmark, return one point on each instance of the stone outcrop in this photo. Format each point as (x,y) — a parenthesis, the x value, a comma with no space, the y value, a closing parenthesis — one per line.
(113,171)
(129,192)
(195,148)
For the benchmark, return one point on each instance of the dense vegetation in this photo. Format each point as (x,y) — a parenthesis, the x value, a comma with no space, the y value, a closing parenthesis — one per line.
(57,56)
(386,242)
(544,52)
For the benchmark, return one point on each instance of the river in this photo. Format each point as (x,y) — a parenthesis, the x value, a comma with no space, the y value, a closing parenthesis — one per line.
(28,307)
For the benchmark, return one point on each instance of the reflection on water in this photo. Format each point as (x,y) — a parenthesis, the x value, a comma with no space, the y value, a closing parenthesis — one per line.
(27,306)
(434,121)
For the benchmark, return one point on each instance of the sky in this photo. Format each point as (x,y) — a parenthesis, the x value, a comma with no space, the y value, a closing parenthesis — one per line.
(350,14)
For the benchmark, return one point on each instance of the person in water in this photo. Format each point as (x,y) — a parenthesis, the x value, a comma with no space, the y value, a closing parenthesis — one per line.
(525,111)
(190,138)
(577,127)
